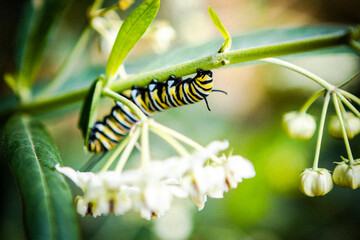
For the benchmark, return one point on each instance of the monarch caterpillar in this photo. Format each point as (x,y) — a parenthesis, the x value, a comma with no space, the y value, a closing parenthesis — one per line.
(155,97)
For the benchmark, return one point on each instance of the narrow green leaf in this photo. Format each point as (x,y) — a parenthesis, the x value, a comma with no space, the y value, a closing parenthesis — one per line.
(42,18)
(130,32)
(47,202)
(217,22)
(88,111)
(11,82)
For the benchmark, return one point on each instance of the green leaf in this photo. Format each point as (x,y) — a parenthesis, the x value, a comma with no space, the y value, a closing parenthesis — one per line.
(217,22)
(130,32)
(42,18)
(47,202)
(11,82)
(88,111)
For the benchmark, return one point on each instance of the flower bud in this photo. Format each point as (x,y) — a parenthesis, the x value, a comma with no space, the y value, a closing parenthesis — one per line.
(347,175)
(351,122)
(299,125)
(315,182)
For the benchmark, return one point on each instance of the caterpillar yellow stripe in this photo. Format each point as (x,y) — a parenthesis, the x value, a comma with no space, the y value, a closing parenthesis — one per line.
(104,135)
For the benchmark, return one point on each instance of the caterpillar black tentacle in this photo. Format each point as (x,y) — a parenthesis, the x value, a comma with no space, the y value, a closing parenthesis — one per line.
(221,91)
(156,97)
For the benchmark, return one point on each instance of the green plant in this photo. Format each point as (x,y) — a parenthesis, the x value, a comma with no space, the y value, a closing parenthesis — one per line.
(33,157)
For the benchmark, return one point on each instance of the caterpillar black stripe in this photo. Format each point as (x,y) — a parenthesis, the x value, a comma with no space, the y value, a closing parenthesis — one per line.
(155,97)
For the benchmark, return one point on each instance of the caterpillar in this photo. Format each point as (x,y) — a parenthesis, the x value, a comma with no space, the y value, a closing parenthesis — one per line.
(156,97)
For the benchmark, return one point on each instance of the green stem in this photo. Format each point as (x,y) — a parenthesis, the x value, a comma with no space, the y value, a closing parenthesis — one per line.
(128,149)
(118,149)
(235,56)
(300,70)
(349,80)
(342,108)
(185,139)
(44,104)
(350,96)
(354,45)
(145,145)
(107,92)
(69,64)
(103,11)
(311,100)
(209,62)
(172,141)
(346,140)
(321,130)
(349,105)
(94,7)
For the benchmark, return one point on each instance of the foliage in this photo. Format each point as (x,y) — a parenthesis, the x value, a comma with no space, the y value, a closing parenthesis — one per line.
(32,154)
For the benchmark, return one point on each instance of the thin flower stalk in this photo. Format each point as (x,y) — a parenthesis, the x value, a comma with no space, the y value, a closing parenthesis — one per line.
(311,100)
(145,145)
(127,151)
(300,70)
(321,131)
(350,96)
(348,104)
(185,140)
(117,151)
(171,140)
(346,140)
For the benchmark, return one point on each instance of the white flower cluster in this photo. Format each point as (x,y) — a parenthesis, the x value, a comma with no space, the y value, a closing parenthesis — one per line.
(150,190)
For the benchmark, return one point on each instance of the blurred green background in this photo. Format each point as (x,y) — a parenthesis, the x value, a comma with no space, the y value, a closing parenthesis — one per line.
(268,206)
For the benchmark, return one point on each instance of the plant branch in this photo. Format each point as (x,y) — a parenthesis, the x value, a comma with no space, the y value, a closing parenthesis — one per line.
(186,68)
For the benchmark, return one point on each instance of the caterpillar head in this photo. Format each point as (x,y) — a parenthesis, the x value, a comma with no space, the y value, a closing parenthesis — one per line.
(203,75)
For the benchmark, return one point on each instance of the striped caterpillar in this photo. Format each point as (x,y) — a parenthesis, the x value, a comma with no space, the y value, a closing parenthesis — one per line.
(175,92)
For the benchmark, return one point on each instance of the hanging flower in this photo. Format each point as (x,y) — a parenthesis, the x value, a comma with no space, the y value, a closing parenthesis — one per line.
(351,123)
(299,125)
(315,182)
(347,174)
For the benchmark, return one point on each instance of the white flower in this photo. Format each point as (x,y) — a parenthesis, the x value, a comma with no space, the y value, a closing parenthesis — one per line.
(150,190)
(315,182)
(108,27)
(161,34)
(171,168)
(299,125)
(201,181)
(198,158)
(153,200)
(82,206)
(237,168)
(215,147)
(347,175)
(123,199)
(104,192)
(81,179)
(199,200)
(351,123)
